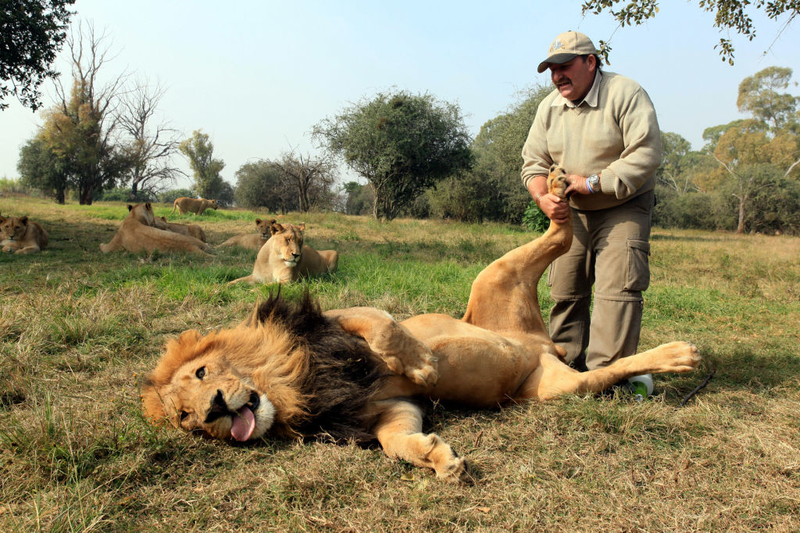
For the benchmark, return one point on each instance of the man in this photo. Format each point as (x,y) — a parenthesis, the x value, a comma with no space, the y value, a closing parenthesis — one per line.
(602,128)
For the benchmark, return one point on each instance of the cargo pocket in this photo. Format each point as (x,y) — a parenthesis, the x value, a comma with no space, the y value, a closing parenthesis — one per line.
(638,278)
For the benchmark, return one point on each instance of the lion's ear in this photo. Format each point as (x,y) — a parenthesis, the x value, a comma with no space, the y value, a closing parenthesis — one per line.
(275,228)
(302,226)
(148,206)
(24,219)
(258,221)
(130,207)
(189,338)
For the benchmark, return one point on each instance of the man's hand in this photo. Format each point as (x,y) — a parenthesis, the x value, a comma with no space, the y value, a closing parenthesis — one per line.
(554,207)
(577,184)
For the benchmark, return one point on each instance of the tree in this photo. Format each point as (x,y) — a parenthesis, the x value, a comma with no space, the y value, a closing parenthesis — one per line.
(759,96)
(682,169)
(150,147)
(400,143)
(42,169)
(744,154)
(81,128)
(358,198)
(728,15)
(261,184)
(498,149)
(199,150)
(307,175)
(31,34)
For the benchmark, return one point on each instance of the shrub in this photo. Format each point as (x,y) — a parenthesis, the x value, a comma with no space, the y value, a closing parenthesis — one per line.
(169,197)
(534,218)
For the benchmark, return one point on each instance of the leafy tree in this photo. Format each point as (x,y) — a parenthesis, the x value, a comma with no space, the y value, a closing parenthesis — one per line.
(358,198)
(728,15)
(261,184)
(744,155)
(151,146)
(462,197)
(310,177)
(31,34)
(42,169)
(682,169)
(498,149)
(199,150)
(168,197)
(400,143)
(81,128)
(756,153)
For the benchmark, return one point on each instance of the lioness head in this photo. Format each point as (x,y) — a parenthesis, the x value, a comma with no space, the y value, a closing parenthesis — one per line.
(212,204)
(143,213)
(288,241)
(263,227)
(13,228)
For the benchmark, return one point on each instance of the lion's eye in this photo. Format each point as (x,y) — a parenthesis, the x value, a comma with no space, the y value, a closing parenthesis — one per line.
(201,372)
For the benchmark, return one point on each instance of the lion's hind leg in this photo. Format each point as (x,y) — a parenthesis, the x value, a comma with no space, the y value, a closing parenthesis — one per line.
(504,295)
(399,430)
(553,378)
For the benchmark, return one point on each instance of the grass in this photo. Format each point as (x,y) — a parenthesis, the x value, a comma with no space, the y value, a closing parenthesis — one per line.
(79,329)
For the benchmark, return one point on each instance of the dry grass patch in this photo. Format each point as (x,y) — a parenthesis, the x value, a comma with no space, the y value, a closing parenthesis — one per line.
(79,329)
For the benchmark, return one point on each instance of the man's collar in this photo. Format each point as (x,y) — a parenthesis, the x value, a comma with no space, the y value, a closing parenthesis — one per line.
(590,99)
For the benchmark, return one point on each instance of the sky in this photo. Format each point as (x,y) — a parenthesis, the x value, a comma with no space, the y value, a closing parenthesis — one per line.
(256,76)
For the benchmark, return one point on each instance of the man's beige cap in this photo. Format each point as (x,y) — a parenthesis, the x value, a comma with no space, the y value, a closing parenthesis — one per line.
(566,46)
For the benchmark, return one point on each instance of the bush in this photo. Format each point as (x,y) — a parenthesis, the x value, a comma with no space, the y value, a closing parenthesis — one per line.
(695,210)
(534,219)
(169,197)
(8,186)
(124,195)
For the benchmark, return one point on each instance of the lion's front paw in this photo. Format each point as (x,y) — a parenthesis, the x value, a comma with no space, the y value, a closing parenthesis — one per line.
(418,365)
(455,471)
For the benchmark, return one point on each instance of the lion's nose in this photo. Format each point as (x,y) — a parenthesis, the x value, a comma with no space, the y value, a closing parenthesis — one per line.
(218,408)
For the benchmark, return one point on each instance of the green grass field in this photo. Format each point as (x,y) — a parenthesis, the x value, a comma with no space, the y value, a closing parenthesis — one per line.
(79,329)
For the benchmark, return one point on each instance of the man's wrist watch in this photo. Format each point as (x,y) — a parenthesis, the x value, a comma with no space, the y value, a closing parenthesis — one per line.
(593,183)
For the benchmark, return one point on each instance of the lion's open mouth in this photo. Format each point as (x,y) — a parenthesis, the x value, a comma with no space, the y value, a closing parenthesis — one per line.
(244,421)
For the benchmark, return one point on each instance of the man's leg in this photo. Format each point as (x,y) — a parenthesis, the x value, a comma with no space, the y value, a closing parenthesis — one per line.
(571,288)
(621,242)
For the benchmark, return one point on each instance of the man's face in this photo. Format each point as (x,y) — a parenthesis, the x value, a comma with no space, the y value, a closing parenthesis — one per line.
(574,78)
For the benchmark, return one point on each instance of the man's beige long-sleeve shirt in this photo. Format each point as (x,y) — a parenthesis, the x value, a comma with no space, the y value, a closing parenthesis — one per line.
(614,133)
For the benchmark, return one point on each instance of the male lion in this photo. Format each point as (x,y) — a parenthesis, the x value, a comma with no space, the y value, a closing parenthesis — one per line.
(184,205)
(138,233)
(350,372)
(22,236)
(253,241)
(192,230)
(284,258)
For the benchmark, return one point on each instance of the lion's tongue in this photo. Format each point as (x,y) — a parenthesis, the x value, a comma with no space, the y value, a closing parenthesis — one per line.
(243,424)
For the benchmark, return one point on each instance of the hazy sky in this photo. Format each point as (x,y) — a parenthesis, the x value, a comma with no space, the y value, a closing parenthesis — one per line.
(258,75)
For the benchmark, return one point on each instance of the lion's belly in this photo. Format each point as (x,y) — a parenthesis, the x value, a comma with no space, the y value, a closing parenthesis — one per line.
(476,367)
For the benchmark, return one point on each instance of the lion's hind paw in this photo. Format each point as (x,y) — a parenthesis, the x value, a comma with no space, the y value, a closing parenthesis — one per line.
(680,356)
